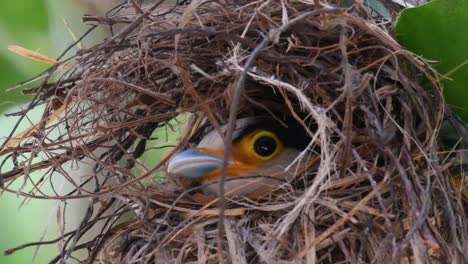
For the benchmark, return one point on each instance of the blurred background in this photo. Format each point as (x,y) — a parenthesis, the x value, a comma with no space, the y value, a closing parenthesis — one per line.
(43,26)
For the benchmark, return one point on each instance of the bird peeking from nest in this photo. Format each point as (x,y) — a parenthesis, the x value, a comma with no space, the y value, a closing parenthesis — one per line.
(262,150)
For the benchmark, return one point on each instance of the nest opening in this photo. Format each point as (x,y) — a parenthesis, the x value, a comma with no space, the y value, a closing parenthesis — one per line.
(368,185)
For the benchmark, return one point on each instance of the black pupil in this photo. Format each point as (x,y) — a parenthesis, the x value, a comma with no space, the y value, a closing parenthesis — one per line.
(265,146)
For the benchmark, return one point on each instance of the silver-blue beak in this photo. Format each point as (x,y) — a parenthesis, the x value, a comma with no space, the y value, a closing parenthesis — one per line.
(194,164)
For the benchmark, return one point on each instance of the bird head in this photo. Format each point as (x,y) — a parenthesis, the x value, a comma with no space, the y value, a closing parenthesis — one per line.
(262,148)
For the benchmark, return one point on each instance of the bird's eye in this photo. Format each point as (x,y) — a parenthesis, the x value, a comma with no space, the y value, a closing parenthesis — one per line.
(265,146)
(257,146)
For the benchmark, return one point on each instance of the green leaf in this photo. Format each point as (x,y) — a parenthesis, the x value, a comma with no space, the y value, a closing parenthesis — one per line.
(438,31)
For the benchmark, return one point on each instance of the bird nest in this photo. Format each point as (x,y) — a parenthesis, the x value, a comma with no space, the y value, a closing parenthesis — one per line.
(370,187)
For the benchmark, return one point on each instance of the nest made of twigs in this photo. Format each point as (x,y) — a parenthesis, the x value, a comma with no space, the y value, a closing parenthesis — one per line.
(377,192)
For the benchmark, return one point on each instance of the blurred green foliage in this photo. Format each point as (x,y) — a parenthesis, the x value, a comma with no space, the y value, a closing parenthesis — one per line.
(35,25)
(24,23)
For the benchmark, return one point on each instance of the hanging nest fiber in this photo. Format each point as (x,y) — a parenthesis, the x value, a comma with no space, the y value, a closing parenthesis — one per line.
(375,188)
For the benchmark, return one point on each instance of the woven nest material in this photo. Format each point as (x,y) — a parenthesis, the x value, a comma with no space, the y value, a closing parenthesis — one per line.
(377,191)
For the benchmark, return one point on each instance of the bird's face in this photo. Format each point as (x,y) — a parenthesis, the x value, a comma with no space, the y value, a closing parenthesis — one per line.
(261,147)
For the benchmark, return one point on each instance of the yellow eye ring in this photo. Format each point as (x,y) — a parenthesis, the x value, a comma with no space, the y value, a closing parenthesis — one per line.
(264,145)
